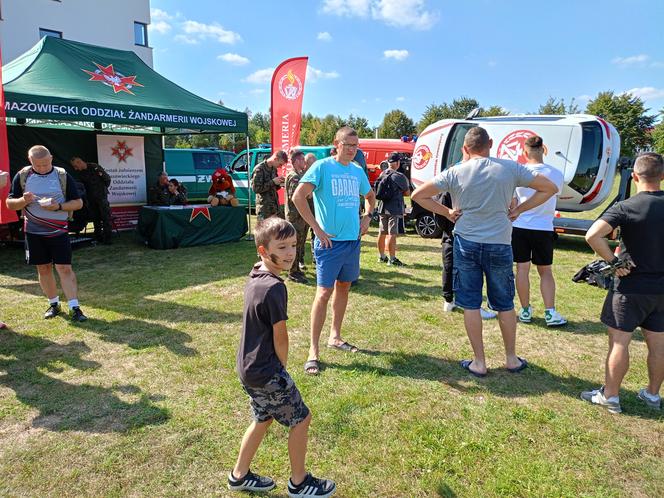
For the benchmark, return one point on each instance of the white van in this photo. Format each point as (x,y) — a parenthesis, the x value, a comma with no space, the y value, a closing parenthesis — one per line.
(584,147)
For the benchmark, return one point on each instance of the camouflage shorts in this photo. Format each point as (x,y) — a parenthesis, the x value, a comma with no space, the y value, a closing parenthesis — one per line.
(279,399)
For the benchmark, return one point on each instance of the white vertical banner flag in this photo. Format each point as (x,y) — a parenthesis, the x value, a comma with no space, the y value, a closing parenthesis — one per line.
(123,158)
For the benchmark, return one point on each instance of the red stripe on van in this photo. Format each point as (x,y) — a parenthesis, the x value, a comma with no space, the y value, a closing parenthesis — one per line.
(593,194)
(433,129)
(606,127)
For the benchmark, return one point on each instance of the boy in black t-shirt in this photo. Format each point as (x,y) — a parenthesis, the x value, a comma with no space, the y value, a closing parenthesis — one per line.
(261,365)
(637,297)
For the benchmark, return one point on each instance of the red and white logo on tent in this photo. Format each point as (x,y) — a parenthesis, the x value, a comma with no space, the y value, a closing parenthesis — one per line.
(110,77)
(290,86)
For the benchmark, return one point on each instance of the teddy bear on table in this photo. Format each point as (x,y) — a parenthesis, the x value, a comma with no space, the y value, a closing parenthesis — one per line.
(222,191)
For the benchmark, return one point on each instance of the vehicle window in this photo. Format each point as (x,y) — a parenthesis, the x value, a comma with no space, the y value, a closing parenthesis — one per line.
(240,164)
(262,156)
(454,151)
(226,160)
(206,160)
(590,159)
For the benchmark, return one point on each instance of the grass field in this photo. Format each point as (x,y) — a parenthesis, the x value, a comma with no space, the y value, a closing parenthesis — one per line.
(143,400)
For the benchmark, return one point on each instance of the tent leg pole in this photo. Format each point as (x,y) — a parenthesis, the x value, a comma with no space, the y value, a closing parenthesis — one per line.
(250,235)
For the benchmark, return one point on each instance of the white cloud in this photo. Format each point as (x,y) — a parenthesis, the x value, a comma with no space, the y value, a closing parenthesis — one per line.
(348,8)
(400,99)
(324,36)
(235,59)
(584,98)
(404,14)
(647,92)
(186,39)
(632,59)
(397,55)
(159,21)
(261,76)
(314,74)
(398,13)
(215,31)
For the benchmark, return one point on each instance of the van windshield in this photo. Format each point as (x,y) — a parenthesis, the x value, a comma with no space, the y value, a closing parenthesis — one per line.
(590,159)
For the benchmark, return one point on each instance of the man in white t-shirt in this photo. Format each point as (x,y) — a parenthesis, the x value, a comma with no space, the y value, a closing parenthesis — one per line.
(533,236)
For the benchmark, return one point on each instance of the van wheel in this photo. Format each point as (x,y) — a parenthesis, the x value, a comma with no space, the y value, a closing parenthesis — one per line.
(427,227)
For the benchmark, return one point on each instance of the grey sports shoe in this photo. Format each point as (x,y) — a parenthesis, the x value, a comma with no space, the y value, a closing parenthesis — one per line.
(596,397)
(655,404)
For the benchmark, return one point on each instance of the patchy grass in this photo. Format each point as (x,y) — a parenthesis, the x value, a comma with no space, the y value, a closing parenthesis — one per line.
(143,400)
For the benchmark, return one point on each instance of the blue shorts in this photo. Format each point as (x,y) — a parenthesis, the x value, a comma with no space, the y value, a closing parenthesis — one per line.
(340,262)
(472,262)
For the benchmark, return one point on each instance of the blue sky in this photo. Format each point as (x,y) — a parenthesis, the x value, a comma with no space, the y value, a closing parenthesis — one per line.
(368,57)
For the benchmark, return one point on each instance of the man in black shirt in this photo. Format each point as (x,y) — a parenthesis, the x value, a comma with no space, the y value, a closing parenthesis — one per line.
(637,296)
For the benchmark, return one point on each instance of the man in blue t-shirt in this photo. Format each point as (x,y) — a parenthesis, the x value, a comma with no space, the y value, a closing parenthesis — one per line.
(336,184)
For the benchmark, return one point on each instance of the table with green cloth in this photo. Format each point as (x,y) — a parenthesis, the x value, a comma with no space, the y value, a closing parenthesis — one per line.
(168,227)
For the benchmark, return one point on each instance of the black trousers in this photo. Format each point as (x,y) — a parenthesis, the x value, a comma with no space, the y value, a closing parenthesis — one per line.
(447,252)
(100,212)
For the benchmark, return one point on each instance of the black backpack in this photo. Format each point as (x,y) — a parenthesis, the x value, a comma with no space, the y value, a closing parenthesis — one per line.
(386,188)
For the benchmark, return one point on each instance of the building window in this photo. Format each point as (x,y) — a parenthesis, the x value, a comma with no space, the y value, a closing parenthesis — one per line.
(140,34)
(49,32)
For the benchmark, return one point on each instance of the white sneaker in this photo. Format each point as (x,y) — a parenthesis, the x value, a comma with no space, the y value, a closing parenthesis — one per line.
(526,314)
(447,307)
(654,402)
(596,397)
(554,319)
(487,314)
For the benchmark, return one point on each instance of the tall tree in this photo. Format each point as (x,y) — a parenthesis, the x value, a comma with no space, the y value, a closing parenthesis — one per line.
(628,114)
(396,124)
(553,106)
(658,136)
(494,110)
(360,125)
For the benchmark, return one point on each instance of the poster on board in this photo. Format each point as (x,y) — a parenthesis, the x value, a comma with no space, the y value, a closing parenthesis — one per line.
(123,158)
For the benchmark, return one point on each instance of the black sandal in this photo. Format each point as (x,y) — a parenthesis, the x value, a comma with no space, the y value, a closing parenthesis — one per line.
(312,367)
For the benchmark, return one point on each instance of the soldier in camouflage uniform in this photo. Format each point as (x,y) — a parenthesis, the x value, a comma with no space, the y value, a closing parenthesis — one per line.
(96,182)
(293,215)
(265,181)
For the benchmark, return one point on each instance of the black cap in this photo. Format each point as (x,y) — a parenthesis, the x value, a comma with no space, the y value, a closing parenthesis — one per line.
(394,157)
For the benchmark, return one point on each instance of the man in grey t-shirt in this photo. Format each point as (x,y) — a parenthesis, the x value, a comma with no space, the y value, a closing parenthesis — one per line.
(482,189)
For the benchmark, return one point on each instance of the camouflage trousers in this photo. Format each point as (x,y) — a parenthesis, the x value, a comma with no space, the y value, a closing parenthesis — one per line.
(301,230)
(279,399)
(264,211)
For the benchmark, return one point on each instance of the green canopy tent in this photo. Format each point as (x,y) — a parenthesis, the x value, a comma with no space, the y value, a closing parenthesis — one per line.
(63,93)
(66,81)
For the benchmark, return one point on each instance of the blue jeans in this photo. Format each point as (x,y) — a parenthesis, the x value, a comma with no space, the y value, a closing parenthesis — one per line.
(472,262)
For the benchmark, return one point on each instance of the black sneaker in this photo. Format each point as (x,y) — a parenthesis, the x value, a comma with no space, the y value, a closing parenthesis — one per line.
(383,259)
(298,278)
(312,486)
(395,262)
(250,482)
(77,315)
(52,311)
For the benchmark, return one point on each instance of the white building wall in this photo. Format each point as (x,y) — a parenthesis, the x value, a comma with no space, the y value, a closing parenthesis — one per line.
(109,23)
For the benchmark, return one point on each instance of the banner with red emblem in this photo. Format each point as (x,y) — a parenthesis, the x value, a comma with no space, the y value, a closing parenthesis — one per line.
(123,158)
(287,92)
